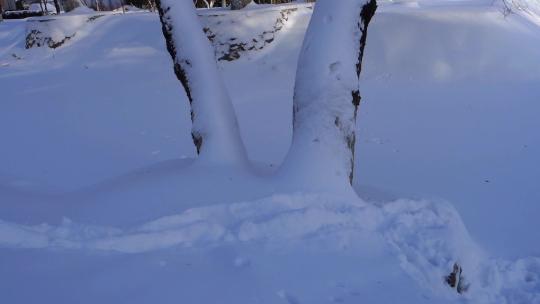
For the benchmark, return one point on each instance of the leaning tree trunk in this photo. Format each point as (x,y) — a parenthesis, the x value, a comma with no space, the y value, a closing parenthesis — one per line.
(326,93)
(215,130)
(57,6)
(239,4)
(41,6)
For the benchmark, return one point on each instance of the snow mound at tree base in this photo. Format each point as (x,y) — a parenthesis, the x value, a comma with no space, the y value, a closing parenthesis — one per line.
(424,238)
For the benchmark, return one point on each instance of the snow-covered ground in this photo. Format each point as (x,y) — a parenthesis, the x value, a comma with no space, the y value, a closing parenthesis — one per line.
(99,202)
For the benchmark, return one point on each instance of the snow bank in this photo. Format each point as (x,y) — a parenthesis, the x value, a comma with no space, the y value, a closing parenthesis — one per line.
(244,32)
(448,112)
(326,95)
(427,238)
(55,32)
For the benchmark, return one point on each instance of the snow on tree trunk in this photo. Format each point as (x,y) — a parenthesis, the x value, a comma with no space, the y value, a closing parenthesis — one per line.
(215,130)
(239,4)
(326,93)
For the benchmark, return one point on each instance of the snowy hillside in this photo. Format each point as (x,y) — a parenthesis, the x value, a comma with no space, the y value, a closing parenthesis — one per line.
(102,202)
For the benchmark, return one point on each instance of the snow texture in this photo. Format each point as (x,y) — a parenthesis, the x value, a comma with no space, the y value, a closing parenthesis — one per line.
(426,237)
(239,4)
(99,202)
(54,32)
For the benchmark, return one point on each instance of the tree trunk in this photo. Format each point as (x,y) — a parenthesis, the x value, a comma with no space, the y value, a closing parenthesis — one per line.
(46,7)
(41,6)
(239,4)
(57,6)
(326,93)
(215,130)
(150,5)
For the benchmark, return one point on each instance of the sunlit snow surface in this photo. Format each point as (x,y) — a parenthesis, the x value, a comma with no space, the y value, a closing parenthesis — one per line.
(99,202)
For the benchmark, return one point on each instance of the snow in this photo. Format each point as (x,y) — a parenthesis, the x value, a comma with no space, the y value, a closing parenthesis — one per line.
(324,109)
(81,10)
(309,224)
(100,201)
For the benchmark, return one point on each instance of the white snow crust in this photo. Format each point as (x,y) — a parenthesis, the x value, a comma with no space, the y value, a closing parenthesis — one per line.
(102,201)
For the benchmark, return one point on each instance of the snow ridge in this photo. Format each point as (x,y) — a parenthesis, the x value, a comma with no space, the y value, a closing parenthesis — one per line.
(234,35)
(54,32)
(426,237)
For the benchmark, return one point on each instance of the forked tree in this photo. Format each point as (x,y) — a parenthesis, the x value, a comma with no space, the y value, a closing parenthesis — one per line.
(326,93)
(215,130)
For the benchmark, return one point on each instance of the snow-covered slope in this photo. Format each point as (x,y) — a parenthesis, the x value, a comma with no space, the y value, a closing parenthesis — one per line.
(95,143)
(450,105)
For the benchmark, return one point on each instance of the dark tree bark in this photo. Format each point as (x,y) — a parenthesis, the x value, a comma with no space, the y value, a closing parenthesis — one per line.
(57,6)
(215,130)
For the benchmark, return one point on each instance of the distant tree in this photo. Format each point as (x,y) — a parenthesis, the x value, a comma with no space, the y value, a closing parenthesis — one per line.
(57,6)
(204,3)
(326,93)
(272,1)
(146,4)
(215,130)
(239,4)
(70,5)
(19,5)
(209,3)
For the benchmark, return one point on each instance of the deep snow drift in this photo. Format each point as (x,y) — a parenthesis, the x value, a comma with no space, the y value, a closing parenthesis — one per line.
(96,187)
